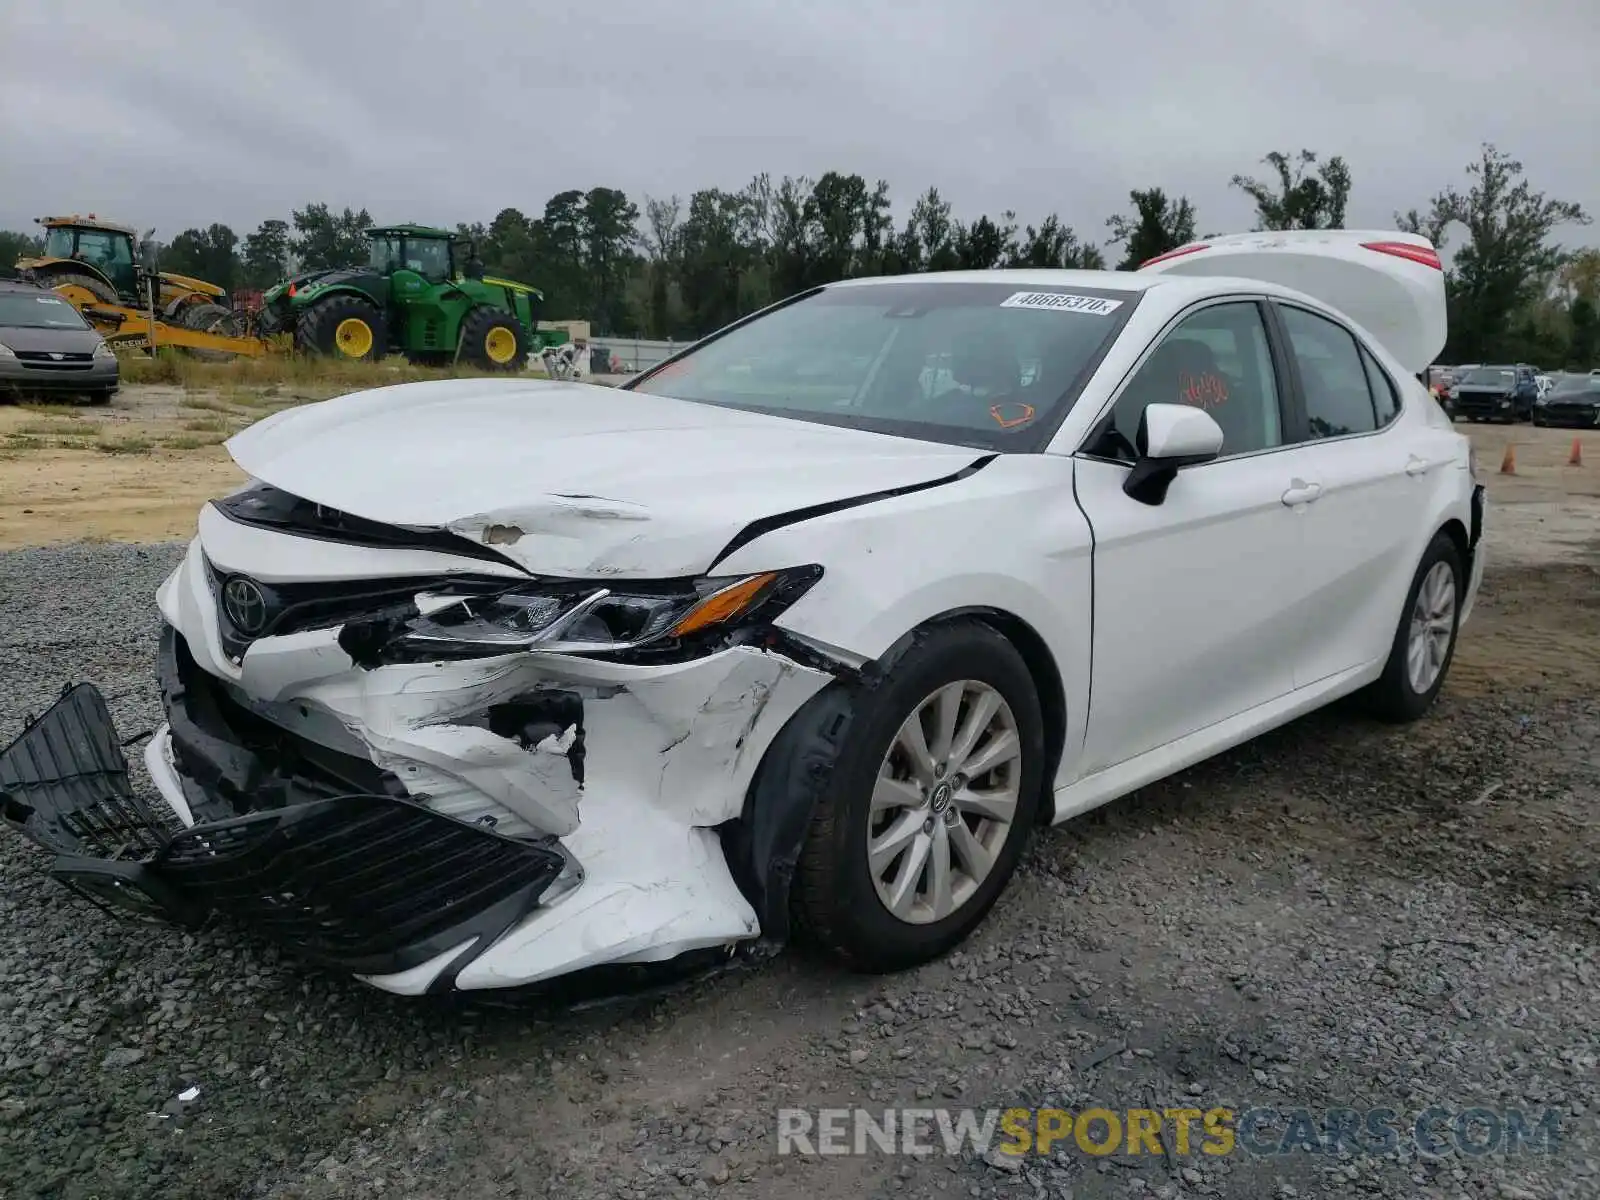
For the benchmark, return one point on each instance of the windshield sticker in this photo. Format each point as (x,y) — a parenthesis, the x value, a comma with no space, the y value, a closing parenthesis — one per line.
(49,300)
(1096,306)
(1012,413)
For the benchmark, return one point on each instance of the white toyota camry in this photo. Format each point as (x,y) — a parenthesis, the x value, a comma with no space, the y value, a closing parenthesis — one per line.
(479,683)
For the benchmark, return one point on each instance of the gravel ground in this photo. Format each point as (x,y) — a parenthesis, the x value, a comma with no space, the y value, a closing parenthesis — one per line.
(1337,915)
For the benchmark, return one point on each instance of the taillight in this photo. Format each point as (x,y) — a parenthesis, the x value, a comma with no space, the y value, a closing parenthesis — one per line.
(1426,255)
(1178,253)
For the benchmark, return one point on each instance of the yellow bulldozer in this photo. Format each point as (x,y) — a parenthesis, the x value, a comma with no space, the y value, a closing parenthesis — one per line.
(99,267)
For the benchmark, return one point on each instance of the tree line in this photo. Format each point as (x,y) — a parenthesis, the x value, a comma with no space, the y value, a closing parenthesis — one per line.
(681,268)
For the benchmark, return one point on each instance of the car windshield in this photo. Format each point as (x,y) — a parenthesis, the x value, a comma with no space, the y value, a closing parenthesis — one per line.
(1490,375)
(972,364)
(58,242)
(1571,385)
(27,310)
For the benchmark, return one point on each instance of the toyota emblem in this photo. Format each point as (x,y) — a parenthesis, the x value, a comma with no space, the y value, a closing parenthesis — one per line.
(57,357)
(246,605)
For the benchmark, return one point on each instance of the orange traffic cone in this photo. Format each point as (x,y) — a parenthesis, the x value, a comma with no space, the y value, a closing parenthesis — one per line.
(1575,459)
(1508,464)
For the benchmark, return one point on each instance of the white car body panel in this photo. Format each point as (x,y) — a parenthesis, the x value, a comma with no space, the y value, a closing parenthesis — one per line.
(1176,630)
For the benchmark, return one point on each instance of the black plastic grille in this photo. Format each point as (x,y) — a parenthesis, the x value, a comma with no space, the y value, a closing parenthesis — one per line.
(43,360)
(370,883)
(296,607)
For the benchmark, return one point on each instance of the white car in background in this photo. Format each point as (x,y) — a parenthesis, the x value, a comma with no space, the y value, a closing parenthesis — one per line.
(483,682)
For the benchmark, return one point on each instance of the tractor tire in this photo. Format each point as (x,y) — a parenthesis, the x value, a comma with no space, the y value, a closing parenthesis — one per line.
(65,281)
(493,340)
(345,327)
(210,318)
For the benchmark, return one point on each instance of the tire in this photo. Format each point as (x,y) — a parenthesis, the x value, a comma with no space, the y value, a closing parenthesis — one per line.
(60,279)
(101,398)
(333,328)
(1395,696)
(210,318)
(836,902)
(492,340)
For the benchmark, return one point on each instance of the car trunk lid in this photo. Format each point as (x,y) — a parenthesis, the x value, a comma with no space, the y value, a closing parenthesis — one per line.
(1390,283)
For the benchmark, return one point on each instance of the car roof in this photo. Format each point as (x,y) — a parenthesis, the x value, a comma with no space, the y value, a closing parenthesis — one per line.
(19,285)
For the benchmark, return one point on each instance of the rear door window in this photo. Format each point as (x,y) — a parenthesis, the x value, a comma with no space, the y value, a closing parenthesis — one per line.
(1333,378)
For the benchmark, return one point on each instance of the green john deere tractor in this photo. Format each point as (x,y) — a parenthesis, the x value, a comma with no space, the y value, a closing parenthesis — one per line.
(422,294)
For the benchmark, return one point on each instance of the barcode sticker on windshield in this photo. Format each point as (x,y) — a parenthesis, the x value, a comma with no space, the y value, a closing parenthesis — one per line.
(1062,302)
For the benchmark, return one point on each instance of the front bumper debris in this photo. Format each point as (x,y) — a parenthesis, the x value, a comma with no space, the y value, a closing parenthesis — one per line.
(367,883)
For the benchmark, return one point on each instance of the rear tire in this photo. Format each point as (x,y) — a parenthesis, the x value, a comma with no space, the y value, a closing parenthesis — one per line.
(838,899)
(1432,615)
(493,340)
(101,398)
(61,280)
(210,318)
(344,326)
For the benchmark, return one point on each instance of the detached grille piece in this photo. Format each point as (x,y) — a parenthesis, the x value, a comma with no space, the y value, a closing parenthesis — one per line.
(64,783)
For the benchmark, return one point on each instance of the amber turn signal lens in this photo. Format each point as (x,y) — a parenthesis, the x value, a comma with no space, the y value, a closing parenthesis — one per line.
(724,605)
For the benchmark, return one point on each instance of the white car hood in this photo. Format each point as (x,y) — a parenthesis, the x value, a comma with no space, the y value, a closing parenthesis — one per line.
(574,479)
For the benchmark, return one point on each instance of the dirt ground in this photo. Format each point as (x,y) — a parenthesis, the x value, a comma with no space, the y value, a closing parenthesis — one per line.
(139,469)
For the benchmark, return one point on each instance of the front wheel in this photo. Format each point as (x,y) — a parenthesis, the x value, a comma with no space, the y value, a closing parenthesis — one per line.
(1425,643)
(929,805)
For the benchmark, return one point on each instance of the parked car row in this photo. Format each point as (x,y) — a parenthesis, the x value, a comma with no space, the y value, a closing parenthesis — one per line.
(1510,392)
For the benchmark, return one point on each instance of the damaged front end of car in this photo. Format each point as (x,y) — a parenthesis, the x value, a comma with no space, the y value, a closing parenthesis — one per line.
(449,782)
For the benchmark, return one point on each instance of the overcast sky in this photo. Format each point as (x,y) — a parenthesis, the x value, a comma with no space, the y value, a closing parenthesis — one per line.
(172,114)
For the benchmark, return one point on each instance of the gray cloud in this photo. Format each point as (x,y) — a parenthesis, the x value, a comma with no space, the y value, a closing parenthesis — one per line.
(177,114)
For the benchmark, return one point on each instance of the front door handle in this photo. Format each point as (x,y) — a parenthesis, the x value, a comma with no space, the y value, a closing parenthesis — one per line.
(1301,492)
(1417,466)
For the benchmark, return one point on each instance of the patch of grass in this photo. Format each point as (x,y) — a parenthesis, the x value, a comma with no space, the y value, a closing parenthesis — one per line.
(134,445)
(68,411)
(23,441)
(45,429)
(202,404)
(189,441)
(207,425)
(300,373)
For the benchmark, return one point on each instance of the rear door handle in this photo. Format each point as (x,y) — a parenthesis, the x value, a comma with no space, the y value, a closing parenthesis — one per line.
(1301,492)
(1417,466)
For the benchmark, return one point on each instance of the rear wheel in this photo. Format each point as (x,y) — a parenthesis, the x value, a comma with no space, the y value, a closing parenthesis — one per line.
(79,287)
(1425,642)
(211,318)
(493,340)
(344,326)
(929,804)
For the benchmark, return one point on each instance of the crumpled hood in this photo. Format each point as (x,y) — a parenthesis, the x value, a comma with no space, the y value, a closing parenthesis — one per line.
(574,479)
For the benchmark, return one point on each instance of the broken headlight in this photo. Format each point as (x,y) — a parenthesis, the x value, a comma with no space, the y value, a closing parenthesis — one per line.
(565,618)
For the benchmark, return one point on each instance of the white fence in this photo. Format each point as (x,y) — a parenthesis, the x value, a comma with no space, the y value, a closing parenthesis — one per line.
(637,354)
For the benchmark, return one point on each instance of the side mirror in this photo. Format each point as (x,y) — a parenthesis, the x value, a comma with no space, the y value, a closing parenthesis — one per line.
(147,254)
(1170,437)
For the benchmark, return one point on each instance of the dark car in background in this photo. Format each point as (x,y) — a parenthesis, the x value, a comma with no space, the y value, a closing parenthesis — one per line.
(1574,402)
(1501,392)
(47,347)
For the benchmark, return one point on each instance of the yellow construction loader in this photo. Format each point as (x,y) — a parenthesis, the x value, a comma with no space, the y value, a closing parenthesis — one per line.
(100,268)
